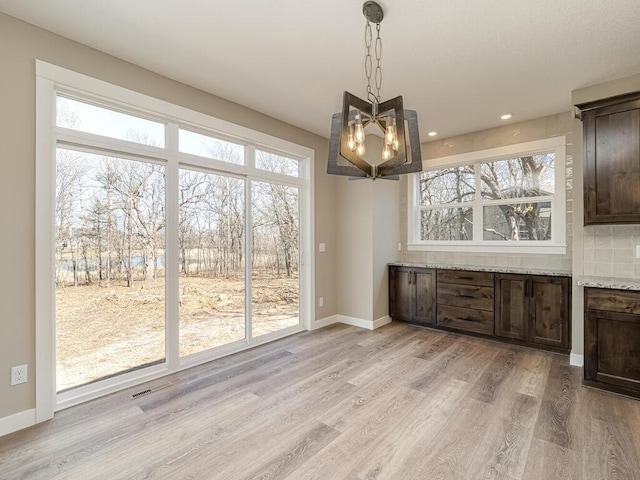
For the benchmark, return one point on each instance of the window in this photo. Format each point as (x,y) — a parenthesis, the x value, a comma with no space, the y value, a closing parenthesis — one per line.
(277,163)
(108,122)
(173,237)
(210,147)
(504,199)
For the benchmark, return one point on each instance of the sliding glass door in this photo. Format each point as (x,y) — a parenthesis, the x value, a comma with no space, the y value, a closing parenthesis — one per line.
(275,259)
(109,266)
(212,260)
(172,244)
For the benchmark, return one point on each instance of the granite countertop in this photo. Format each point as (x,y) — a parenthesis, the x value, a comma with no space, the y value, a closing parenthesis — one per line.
(609,282)
(475,268)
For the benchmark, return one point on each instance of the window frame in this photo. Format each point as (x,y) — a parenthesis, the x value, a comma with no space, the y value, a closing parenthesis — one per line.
(51,81)
(557,244)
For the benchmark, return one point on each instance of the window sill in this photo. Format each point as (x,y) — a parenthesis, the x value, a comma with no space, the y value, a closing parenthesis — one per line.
(495,249)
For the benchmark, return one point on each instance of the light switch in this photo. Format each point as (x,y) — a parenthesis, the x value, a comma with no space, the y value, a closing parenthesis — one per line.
(321,247)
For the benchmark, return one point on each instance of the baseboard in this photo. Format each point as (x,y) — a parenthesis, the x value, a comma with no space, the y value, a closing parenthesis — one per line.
(17,421)
(382,321)
(353,321)
(362,323)
(576,360)
(323,322)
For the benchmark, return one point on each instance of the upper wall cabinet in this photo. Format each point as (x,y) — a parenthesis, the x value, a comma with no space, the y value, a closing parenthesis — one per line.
(612,160)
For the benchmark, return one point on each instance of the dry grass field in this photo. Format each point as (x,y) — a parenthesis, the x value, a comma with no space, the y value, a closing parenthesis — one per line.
(101,331)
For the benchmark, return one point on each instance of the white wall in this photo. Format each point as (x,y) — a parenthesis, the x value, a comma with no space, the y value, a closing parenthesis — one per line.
(354,246)
(387,226)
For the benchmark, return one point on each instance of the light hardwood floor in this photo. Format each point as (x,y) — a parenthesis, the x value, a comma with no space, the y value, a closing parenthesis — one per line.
(345,403)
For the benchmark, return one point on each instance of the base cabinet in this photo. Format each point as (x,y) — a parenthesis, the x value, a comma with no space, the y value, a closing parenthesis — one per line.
(412,295)
(533,309)
(612,340)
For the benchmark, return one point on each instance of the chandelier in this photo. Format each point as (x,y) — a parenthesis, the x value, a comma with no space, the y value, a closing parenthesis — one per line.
(396,125)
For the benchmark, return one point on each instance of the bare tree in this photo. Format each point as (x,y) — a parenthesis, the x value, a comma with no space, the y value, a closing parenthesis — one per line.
(508,183)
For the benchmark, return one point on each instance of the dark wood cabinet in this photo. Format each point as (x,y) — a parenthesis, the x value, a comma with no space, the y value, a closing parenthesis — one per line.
(534,309)
(465,300)
(412,295)
(612,160)
(612,340)
(550,302)
(512,306)
(531,310)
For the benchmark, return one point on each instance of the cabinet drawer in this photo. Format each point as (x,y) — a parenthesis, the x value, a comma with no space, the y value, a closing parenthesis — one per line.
(613,300)
(466,296)
(479,321)
(481,279)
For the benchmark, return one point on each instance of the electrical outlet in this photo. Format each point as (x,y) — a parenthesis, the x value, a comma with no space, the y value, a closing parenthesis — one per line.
(18,374)
(321,301)
(321,247)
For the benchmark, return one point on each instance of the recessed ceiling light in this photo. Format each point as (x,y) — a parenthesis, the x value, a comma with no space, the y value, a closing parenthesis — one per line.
(432,134)
(506,116)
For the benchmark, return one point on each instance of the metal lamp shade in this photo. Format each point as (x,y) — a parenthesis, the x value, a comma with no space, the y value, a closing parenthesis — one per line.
(399,163)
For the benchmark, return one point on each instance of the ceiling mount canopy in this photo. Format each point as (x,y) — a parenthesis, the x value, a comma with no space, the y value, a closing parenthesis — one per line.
(400,152)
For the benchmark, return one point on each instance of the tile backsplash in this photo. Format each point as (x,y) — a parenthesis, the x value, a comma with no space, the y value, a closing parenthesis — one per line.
(609,251)
(537,129)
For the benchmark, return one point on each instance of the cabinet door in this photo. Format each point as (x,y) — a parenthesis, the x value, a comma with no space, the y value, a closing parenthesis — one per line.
(549,311)
(425,284)
(612,349)
(401,293)
(512,306)
(612,164)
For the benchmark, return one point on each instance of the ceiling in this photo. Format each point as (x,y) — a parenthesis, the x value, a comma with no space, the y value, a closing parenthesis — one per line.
(459,63)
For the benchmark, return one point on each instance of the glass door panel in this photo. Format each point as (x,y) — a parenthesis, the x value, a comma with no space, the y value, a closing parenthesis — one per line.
(109,266)
(211,254)
(275,256)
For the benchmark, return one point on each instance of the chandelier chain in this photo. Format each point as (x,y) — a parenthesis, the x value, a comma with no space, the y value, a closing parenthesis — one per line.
(378,51)
(373,97)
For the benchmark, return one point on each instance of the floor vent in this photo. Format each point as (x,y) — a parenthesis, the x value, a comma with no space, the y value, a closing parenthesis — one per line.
(151,389)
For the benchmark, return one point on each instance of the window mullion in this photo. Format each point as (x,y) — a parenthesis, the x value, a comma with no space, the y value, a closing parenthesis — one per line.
(516,200)
(172,280)
(250,162)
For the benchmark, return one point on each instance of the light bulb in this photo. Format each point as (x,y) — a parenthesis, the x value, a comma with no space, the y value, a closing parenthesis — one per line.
(389,133)
(360,149)
(386,151)
(359,133)
(395,144)
(351,143)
